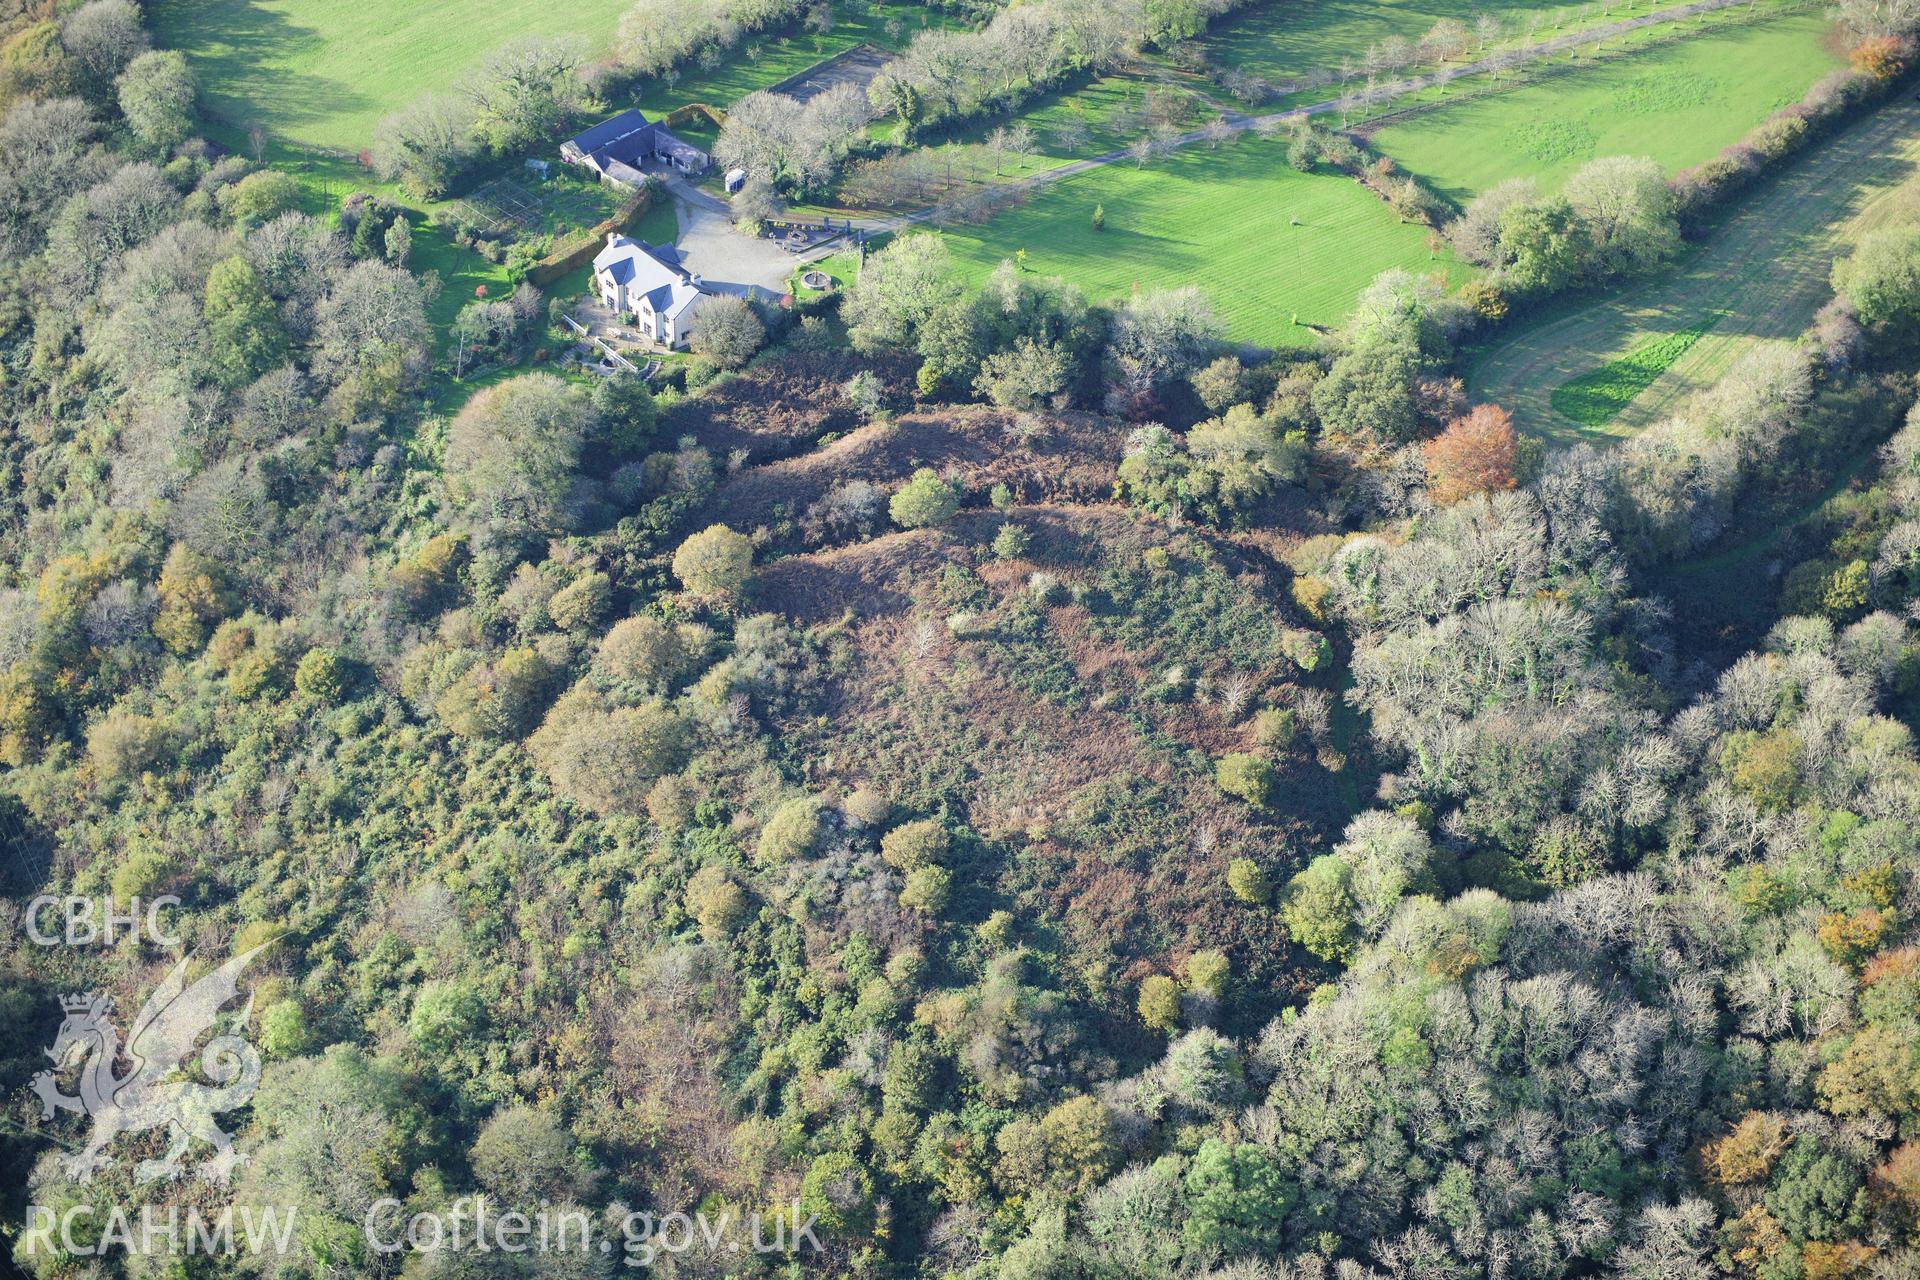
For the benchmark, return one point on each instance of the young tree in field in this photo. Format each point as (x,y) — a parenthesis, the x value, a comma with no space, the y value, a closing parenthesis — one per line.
(714,562)
(1072,135)
(1475,454)
(727,331)
(156,96)
(997,148)
(1446,39)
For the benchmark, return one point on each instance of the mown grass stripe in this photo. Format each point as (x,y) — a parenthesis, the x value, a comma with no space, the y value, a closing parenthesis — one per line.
(1596,396)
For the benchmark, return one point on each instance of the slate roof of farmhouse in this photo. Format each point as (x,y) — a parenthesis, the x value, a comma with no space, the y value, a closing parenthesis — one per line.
(651,271)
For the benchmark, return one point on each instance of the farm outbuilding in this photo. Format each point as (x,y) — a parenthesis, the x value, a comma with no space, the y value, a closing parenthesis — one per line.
(619,147)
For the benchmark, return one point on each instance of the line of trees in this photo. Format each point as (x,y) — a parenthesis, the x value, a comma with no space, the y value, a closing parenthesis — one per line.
(656,37)
(947,76)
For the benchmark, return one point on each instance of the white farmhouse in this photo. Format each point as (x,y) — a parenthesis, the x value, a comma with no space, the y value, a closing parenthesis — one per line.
(647,282)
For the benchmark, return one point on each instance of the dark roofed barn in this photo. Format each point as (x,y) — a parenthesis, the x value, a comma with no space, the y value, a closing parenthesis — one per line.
(619,148)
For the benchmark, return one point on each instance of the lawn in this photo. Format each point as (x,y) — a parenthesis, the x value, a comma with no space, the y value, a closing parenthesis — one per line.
(1265,243)
(323,72)
(1678,103)
(1758,276)
(844,267)
(659,224)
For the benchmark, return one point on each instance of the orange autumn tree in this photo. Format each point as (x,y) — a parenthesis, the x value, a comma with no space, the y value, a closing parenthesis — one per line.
(1747,1154)
(1895,1188)
(1882,57)
(1475,454)
(1845,1260)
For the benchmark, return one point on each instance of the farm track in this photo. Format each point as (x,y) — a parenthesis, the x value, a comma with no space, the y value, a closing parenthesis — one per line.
(1763,269)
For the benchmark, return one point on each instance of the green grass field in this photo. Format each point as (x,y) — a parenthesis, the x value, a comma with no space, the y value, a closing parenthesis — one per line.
(1762,271)
(323,72)
(1679,103)
(1222,219)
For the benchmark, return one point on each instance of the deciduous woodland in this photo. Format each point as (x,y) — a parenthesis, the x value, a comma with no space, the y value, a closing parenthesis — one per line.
(1045,748)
